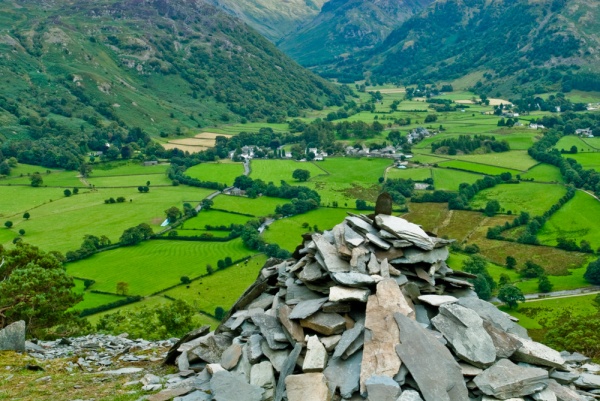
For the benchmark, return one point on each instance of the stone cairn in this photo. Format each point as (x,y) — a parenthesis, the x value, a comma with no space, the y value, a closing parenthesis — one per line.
(370,310)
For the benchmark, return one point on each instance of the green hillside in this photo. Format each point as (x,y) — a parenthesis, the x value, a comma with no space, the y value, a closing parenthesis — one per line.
(70,68)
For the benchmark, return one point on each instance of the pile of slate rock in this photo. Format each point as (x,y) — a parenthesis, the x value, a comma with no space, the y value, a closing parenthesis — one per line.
(370,310)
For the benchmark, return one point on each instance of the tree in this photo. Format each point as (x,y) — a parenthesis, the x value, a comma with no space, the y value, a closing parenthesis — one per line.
(122,288)
(185,280)
(36,180)
(301,175)
(135,235)
(492,207)
(85,170)
(144,189)
(575,332)
(592,273)
(511,296)
(173,213)
(504,279)
(75,191)
(544,284)
(8,224)
(67,192)
(477,265)
(35,287)
(209,269)
(511,262)
(4,168)
(219,313)
(221,264)
(206,204)
(21,232)
(26,215)
(532,270)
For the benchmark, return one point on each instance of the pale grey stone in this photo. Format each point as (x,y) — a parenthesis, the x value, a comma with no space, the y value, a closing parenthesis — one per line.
(306,308)
(227,386)
(505,344)
(469,370)
(194,396)
(262,376)
(293,329)
(353,279)
(315,359)
(344,374)
(382,388)
(214,368)
(588,381)
(325,323)
(537,354)
(430,363)
(286,370)
(405,230)
(12,337)
(183,362)
(254,350)
(373,265)
(271,329)
(122,371)
(307,387)
(296,293)
(564,377)
(277,357)
(575,358)
(330,342)
(359,259)
(345,294)
(504,380)
(410,395)
(243,367)
(563,393)
(463,328)
(377,241)
(413,256)
(544,395)
(263,302)
(311,272)
(437,300)
(211,347)
(591,367)
(352,237)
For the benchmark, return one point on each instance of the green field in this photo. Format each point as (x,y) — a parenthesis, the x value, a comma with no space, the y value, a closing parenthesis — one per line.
(148,302)
(134,180)
(287,232)
(154,265)
(277,170)
(449,180)
(415,174)
(56,178)
(544,173)
(514,159)
(477,168)
(126,168)
(587,160)
(577,220)
(566,142)
(222,288)
(258,207)
(592,142)
(427,158)
(69,219)
(213,218)
(522,197)
(224,172)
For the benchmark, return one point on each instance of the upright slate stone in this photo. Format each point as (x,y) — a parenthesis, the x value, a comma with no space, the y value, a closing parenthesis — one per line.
(12,337)
(429,362)
(286,370)
(227,386)
(344,374)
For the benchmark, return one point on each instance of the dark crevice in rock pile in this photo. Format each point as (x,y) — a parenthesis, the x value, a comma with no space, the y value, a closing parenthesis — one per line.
(370,310)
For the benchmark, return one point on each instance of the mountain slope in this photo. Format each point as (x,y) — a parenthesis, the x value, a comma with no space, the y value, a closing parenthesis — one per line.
(273,19)
(155,64)
(515,42)
(346,26)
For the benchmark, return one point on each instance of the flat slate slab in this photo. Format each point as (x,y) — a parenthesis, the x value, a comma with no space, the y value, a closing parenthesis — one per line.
(505,380)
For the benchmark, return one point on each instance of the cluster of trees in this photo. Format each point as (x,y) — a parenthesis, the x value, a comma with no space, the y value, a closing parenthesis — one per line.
(466,192)
(552,104)
(7,164)
(111,200)
(255,188)
(253,240)
(176,174)
(468,144)
(135,235)
(399,189)
(90,245)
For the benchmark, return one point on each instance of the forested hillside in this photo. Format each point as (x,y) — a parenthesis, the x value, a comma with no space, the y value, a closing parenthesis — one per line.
(512,44)
(89,70)
(344,27)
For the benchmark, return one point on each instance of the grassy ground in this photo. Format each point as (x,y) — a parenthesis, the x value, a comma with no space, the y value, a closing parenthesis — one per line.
(224,172)
(416,174)
(158,264)
(429,215)
(222,288)
(450,180)
(576,220)
(522,197)
(277,170)
(65,215)
(134,180)
(566,142)
(286,232)
(213,218)
(126,168)
(514,160)
(262,206)
(544,173)
(587,160)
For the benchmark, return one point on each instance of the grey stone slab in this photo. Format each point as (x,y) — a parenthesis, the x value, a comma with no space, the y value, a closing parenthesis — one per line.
(359,259)
(352,237)
(344,374)
(332,262)
(414,255)
(331,342)
(504,380)
(505,344)
(564,377)
(576,358)
(293,329)
(286,370)
(12,337)
(353,279)
(194,396)
(271,329)
(296,293)
(537,354)
(382,388)
(373,265)
(588,381)
(254,349)
(262,376)
(379,242)
(325,323)
(263,302)
(463,328)
(231,356)
(491,313)
(437,300)
(306,308)
(410,395)
(429,362)
(563,393)
(211,347)
(227,386)
(312,272)
(544,395)
(348,337)
(405,230)
(277,357)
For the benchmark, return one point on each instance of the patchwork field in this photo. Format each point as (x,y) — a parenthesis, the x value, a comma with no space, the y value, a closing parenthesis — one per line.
(566,142)
(477,168)
(158,264)
(522,197)
(544,173)
(258,207)
(514,159)
(577,220)
(213,218)
(450,180)
(587,160)
(277,170)
(225,172)
(415,174)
